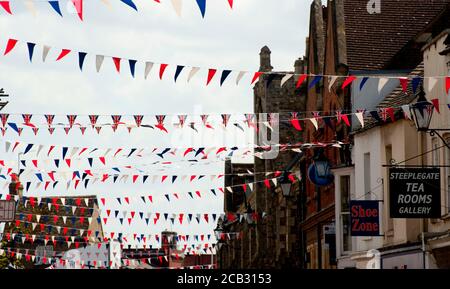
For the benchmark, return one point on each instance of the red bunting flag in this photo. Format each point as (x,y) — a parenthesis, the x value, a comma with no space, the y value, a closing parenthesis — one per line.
(256,76)
(188,151)
(447,84)
(348,80)
(295,122)
(10,45)
(102,159)
(63,53)
(162,68)
(211,73)
(345,119)
(231,3)
(267,183)
(404,83)
(436,104)
(300,80)
(79,7)
(117,63)
(5,5)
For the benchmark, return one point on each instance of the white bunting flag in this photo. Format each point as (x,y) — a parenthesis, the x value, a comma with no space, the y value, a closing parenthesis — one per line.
(177,6)
(432,81)
(39,150)
(193,72)
(285,78)
(332,81)
(45,52)
(148,68)
(406,111)
(239,77)
(381,83)
(360,117)
(314,122)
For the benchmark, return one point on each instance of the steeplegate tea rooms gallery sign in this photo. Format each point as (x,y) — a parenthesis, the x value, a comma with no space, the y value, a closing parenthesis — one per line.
(415,192)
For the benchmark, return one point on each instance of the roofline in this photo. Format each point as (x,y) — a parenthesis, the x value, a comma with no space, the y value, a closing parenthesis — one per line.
(436,38)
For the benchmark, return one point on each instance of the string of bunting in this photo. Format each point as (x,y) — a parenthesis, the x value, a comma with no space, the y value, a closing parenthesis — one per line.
(100,263)
(312,79)
(140,237)
(78,5)
(295,120)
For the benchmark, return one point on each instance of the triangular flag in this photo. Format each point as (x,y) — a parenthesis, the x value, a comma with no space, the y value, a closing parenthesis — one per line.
(202,6)
(55,6)
(224,76)
(193,71)
(381,83)
(348,80)
(81,57)
(98,62)
(79,7)
(11,42)
(45,51)
(211,73)
(360,117)
(63,53)
(332,80)
(117,63)
(240,76)
(285,78)
(5,5)
(132,64)
(162,69)
(148,68)
(177,6)
(130,3)
(178,71)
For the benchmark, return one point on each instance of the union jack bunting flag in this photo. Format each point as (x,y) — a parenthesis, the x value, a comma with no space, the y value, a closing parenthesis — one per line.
(27,118)
(4,118)
(225,119)
(160,119)
(71,119)
(116,119)
(138,119)
(49,118)
(93,119)
(182,120)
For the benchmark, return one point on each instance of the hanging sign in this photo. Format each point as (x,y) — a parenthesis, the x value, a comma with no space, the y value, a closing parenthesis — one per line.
(7,210)
(415,192)
(365,218)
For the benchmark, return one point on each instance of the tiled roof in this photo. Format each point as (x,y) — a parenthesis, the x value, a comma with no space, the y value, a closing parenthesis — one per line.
(396,98)
(374,39)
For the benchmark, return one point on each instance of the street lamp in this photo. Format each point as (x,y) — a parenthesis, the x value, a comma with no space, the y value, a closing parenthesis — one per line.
(321,165)
(286,185)
(421,113)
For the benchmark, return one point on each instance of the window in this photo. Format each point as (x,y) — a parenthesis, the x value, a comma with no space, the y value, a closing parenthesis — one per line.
(367,181)
(345,213)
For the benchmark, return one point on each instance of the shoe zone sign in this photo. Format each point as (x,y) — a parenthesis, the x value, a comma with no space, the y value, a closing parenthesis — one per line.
(365,218)
(415,192)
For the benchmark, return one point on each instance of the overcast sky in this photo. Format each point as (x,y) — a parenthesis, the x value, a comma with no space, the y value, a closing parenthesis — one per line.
(225,39)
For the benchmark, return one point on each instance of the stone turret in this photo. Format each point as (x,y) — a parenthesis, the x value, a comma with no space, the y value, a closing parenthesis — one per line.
(264,57)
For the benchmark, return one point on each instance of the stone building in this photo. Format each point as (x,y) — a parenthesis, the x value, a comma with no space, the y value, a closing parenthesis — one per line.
(272,241)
